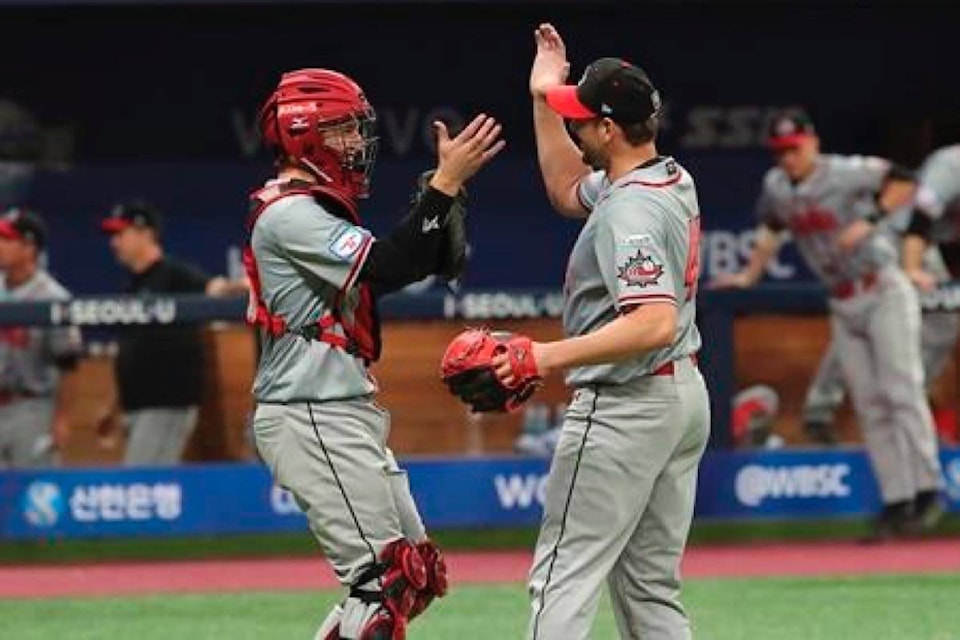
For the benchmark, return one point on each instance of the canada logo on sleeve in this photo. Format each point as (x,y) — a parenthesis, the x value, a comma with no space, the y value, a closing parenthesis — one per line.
(640,271)
(346,243)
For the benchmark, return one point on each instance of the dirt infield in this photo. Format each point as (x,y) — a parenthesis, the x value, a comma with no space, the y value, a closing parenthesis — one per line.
(297,574)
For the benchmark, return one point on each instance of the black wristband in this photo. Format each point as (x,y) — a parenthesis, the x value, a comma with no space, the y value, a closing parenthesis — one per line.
(920,224)
(433,203)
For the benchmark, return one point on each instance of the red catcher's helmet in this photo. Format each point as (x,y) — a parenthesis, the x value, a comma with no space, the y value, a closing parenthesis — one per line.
(306,109)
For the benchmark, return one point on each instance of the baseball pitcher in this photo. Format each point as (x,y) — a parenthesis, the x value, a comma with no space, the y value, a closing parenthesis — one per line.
(620,494)
(315,273)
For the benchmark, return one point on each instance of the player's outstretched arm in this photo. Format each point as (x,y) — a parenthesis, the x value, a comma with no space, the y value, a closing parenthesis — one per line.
(414,249)
(561,162)
(766,245)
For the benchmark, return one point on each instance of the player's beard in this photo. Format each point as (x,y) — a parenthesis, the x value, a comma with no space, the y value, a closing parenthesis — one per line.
(593,159)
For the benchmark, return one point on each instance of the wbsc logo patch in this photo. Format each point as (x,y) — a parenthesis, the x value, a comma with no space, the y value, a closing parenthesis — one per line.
(43,504)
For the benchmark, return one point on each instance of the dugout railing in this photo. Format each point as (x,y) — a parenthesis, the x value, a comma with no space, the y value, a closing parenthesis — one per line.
(717,311)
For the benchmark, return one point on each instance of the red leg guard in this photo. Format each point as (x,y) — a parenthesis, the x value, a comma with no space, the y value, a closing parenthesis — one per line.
(437,585)
(385,594)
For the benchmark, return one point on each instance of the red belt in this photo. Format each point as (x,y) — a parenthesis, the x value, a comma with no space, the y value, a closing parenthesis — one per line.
(667,368)
(850,288)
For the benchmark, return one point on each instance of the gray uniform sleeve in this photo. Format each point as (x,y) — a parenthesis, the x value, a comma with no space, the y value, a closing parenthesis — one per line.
(764,209)
(589,189)
(866,173)
(326,246)
(631,248)
(939,184)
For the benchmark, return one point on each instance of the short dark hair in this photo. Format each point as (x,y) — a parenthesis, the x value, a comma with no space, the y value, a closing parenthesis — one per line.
(639,133)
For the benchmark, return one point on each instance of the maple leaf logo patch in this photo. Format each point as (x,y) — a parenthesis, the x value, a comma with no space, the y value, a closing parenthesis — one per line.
(640,271)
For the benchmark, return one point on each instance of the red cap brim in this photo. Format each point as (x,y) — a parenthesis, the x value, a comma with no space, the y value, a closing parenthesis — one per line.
(563,99)
(113,225)
(8,231)
(787,142)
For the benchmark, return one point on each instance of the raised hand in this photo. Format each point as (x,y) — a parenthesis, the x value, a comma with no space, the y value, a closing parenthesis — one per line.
(550,66)
(460,157)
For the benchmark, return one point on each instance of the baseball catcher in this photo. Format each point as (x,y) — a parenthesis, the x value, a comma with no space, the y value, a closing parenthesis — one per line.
(490,371)
(316,273)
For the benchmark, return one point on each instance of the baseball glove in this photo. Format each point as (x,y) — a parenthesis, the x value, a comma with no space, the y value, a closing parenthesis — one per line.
(453,258)
(468,372)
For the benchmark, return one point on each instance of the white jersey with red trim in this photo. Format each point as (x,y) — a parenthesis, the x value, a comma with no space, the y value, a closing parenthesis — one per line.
(641,244)
(308,261)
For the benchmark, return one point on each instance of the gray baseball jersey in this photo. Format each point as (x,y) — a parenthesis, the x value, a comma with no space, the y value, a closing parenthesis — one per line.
(638,245)
(28,371)
(841,190)
(939,197)
(28,355)
(308,261)
(620,493)
(939,193)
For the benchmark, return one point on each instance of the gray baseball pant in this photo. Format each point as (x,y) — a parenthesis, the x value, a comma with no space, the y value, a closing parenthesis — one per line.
(878,333)
(938,340)
(25,439)
(158,436)
(619,502)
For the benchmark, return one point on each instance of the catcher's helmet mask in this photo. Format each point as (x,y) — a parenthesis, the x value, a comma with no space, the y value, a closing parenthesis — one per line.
(308,109)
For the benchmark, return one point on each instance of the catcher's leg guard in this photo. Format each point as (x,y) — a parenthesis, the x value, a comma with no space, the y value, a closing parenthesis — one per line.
(436,586)
(330,627)
(380,602)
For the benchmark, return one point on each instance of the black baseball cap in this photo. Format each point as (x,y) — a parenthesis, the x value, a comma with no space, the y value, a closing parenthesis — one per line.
(789,128)
(132,214)
(611,88)
(23,224)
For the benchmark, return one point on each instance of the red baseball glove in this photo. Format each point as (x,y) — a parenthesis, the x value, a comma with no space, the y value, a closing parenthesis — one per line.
(467,370)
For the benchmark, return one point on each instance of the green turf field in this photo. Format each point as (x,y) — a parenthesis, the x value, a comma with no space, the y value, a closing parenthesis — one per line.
(55,551)
(898,607)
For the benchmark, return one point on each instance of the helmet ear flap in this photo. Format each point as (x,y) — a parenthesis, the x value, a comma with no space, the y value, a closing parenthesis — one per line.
(268,124)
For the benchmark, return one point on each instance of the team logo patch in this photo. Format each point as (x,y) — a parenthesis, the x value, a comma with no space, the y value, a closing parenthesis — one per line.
(640,271)
(346,243)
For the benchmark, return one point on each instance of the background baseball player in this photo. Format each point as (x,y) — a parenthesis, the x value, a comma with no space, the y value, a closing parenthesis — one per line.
(936,217)
(34,407)
(159,369)
(620,493)
(315,273)
(830,203)
(938,339)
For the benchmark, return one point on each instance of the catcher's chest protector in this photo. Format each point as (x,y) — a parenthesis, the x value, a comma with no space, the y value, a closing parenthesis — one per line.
(361,336)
